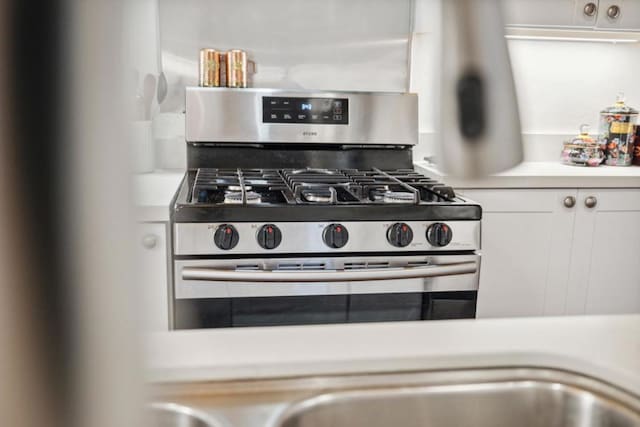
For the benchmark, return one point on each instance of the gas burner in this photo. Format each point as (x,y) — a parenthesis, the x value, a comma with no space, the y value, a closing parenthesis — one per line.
(315,171)
(319,195)
(238,188)
(235,197)
(398,197)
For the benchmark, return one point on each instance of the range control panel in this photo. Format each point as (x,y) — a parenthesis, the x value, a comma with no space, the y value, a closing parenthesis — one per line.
(322,111)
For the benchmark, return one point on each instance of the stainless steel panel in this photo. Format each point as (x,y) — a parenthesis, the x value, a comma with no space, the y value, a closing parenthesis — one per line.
(306,237)
(466,280)
(482,398)
(317,276)
(312,44)
(235,115)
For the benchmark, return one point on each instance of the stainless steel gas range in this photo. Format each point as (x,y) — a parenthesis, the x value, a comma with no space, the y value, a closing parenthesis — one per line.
(304,208)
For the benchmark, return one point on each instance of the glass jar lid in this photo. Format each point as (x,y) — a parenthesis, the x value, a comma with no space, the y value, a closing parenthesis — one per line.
(620,107)
(583,138)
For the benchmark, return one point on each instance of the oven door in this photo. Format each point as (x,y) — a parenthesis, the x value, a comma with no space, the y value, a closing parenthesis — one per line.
(293,291)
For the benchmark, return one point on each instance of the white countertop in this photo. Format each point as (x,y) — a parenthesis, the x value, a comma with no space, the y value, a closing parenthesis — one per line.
(605,347)
(544,175)
(152,194)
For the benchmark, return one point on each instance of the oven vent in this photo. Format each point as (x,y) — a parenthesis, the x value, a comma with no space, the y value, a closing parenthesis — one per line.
(302,266)
(421,263)
(365,265)
(355,265)
(247,267)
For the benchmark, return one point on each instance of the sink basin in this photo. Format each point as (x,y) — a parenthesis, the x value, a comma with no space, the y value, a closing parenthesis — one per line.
(521,404)
(476,397)
(172,415)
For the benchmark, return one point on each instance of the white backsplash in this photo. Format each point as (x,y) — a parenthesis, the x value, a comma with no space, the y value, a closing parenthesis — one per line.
(560,84)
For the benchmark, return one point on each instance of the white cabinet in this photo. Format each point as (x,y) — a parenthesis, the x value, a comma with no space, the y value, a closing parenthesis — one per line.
(526,245)
(605,261)
(619,15)
(543,256)
(152,275)
(551,13)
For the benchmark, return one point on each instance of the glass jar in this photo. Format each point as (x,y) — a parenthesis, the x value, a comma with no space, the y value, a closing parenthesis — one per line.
(636,150)
(582,150)
(617,127)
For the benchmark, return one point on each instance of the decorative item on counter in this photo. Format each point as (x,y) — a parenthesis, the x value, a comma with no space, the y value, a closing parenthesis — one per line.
(210,70)
(636,150)
(237,68)
(582,150)
(617,127)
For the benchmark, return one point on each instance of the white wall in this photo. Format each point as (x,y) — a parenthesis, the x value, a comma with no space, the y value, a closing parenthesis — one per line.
(563,84)
(560,84)
(358,45)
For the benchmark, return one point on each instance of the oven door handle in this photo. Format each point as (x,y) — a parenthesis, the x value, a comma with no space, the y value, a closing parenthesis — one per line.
(319,276)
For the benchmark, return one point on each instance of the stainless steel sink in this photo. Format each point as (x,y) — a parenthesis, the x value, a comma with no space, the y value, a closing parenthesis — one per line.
(523,404)
(173,415)
(479,398)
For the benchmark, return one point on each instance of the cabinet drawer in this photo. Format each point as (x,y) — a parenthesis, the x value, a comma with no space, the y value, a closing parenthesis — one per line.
(151,275)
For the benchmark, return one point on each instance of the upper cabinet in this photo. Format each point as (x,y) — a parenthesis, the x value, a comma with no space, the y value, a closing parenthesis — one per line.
(551,13)
(616,15)
(619,15)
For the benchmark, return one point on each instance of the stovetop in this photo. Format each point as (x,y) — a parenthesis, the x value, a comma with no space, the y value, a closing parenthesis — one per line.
(316,187)
(305,194)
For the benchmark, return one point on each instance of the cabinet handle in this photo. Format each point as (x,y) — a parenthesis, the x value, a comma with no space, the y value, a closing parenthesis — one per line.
(149,241)
(569,201)
(590,9)
(590,202)
(613,12)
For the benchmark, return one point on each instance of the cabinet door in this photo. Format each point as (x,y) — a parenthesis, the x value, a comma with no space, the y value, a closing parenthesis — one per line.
(526,243)
(605,262)
(625,17)
(152,274)
(550,13)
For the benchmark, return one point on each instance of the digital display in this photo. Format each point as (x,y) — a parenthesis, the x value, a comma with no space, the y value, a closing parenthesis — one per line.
(329,111)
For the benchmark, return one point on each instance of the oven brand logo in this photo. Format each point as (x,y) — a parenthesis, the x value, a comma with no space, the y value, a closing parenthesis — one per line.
(309,133)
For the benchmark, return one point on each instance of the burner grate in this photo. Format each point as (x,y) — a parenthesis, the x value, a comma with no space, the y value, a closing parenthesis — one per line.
(238,187)
(316,186)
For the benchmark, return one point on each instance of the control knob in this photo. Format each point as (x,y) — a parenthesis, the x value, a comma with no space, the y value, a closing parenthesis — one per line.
(269,236)
(400,235)
(439,234)
(226,237)
(335,236)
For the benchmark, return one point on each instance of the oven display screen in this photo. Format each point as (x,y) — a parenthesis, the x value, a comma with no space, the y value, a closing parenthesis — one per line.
(322,111)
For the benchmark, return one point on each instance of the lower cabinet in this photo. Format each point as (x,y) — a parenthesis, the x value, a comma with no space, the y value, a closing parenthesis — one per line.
(605,261)
(526,245)
(151,268)
(559,251)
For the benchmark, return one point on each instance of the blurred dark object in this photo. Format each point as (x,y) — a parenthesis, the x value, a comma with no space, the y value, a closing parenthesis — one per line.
(66,353)
(480,123)
(35,350)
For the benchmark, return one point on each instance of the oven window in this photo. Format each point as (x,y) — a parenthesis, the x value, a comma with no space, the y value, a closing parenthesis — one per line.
(323,309)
